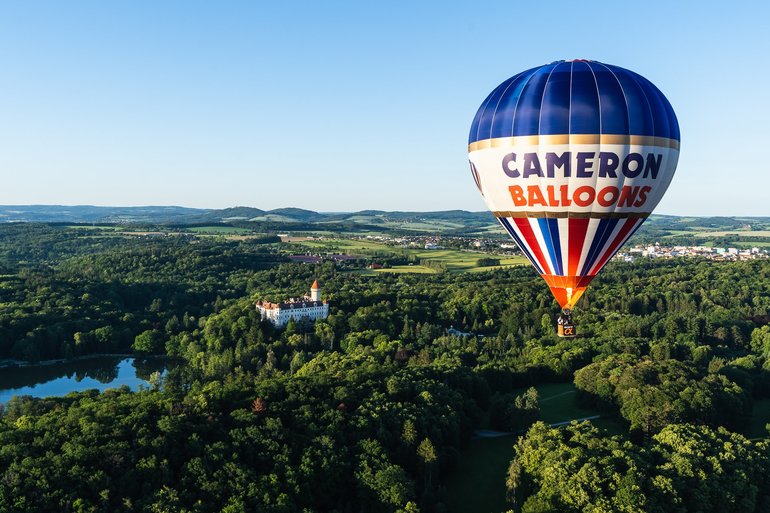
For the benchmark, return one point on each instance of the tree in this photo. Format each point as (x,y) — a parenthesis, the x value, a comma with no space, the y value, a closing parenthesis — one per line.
(259,406)
(427,455)
(409,432)
(513,480)
(149,341)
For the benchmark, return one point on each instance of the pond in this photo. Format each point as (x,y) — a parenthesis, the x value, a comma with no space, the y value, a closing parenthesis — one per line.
(61,378)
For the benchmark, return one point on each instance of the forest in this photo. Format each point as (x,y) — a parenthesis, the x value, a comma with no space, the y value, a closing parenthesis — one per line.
(373,408)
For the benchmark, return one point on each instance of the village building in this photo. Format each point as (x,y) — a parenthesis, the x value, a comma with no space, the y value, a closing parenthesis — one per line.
(309,308)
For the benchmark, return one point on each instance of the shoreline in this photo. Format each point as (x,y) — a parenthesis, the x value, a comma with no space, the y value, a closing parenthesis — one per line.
(18,364)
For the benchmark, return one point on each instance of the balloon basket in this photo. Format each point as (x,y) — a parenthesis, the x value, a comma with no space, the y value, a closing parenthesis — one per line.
(565,326)
(567,330)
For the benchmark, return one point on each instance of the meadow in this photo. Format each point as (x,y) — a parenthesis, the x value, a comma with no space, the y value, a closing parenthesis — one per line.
(478,482)
(454,260)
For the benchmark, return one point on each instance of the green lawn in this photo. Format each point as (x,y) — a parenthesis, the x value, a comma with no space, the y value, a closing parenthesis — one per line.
(219,230)
(739,233)
(759,418)
(92,227)
(400,269)
(455,260)
(750,244)
(478,484)
(344,245)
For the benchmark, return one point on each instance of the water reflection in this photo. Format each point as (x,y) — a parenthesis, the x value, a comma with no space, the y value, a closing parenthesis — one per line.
(62,378)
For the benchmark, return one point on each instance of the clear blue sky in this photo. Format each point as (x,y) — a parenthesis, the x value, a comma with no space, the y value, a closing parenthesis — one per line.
(341,106)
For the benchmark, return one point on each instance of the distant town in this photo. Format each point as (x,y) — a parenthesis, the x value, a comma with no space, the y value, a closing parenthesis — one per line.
(503,247)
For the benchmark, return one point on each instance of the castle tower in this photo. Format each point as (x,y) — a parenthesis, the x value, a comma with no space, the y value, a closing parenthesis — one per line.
(315,291)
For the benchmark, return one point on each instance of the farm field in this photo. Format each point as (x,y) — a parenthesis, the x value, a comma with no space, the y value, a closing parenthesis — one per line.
(399,269)
(343,245)
(454,260)
(92,227)
(219,230)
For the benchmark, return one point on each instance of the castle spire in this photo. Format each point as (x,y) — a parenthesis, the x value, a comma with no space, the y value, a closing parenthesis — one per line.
(315,291)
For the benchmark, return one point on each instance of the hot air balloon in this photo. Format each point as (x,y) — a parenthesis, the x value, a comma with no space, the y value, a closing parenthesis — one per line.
(571,157)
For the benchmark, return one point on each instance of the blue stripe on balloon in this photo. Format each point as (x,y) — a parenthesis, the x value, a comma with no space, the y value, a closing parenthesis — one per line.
(527,118)
(502,97)
(669,123)
(673,121)
(639,110)
(486,111)
(505,109)
(612,102)
(659,110)
(550,231)
(505,113)
(554,114)
(515,236)
(570,97)
(584,103)
(603,232)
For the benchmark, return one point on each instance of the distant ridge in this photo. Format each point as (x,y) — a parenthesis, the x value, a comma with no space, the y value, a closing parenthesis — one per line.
(185,215)
(444,222)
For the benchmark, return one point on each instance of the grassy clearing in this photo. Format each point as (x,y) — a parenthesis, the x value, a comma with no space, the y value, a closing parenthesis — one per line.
(760,417)
(95,228)
(400,269)
(342,245)
(454,260)
(751,244)
(397,269)
(737,233)
(478,484)
(218,230)
(676,233)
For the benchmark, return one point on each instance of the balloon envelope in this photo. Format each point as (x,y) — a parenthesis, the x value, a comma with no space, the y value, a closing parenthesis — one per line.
(571,157)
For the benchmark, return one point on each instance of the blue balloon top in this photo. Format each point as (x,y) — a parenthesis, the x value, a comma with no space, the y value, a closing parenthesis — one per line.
(575,97)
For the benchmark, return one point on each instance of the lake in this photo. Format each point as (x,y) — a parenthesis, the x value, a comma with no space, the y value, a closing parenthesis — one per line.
(58,379)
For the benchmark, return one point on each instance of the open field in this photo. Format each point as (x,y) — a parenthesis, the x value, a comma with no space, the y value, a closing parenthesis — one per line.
(737,233)
(760,417)
(478,484)
(346,245)
(454,260)
(94,227)
(399,269)
(219,230)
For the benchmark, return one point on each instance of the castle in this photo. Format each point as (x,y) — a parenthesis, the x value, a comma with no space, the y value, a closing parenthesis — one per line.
(307,308)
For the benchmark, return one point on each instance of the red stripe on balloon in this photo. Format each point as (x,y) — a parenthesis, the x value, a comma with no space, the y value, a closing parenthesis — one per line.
(529,236)
(577,238)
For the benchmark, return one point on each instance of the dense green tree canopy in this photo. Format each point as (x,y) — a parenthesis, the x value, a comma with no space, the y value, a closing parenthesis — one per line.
(370,409)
